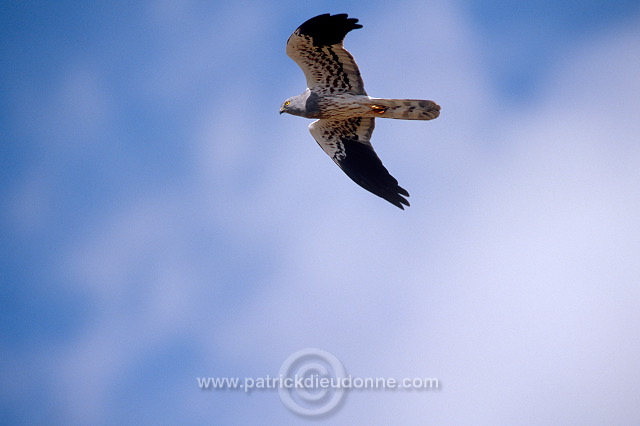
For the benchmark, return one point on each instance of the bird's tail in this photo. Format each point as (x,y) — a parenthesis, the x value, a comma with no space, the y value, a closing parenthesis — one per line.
(405,109)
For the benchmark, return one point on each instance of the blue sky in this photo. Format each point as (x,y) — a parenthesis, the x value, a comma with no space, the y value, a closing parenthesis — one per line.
(162,222)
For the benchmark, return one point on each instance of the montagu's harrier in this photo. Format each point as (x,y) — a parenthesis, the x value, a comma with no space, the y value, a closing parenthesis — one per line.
(336,97)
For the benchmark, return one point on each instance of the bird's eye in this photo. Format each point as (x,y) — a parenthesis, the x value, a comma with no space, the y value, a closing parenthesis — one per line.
(287,103)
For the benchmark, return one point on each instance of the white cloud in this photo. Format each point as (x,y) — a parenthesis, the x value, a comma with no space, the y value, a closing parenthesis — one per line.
(532,316)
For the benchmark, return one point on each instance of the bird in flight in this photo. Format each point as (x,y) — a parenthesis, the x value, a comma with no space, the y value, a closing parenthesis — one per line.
(345,114)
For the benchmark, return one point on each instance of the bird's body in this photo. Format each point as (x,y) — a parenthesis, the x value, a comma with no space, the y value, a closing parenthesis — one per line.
(342,106)
(345,113)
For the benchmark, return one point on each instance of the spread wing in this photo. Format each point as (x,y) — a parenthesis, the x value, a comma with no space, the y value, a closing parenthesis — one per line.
(347,143)
(317,47)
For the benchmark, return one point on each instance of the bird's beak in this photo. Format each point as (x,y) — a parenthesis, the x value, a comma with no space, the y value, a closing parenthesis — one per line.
(281,111)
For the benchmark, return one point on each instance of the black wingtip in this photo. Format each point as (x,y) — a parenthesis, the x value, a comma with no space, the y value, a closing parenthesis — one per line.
(392,193)
(364,167)
(398,200)
(327,29)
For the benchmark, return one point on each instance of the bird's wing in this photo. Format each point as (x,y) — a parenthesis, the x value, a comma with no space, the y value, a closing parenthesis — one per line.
(347,143)
(317,47)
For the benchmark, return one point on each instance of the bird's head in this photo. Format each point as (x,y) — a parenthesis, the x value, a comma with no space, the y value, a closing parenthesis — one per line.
(297,105)
(294,105)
